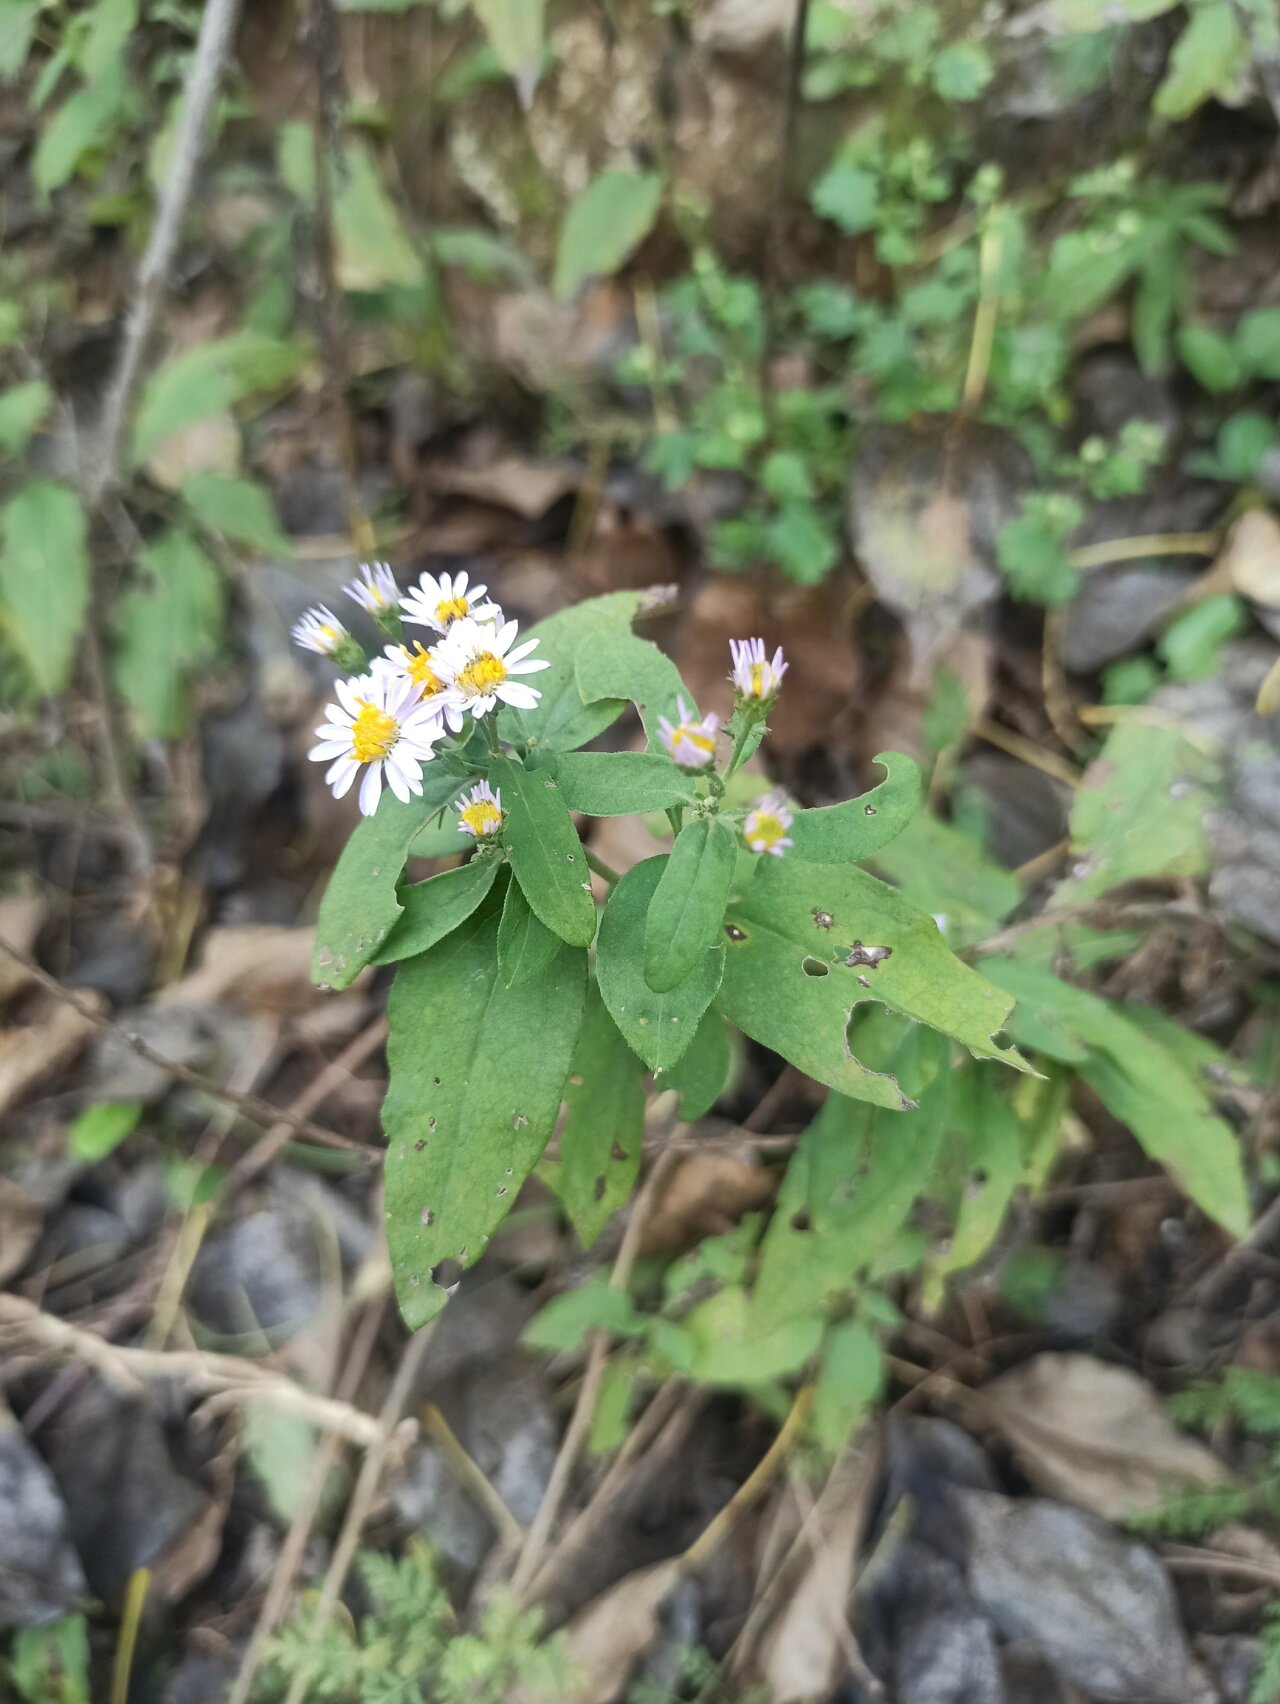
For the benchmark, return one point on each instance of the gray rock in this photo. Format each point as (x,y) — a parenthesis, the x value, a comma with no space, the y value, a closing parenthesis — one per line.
(944,1649)
(40,1574)
(1118,610)
(1098,1607)
(178,1032)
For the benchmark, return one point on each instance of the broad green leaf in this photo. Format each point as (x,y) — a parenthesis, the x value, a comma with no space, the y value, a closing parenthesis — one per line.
(1139,812)
(1258,343)
(659,1027)
(208,380)
(170,623)
(547,858)
(361,904)
(621,783)
(109,24)
(515,31)
(849,195)
(477,1072)
(374,250)
(1210,358)
(86,119)
(525,946)
(434,908)
(17,27)
(564,717)
(603,1129)
(838,834)
(848,1383)
(962,71)
(700,1074)
(604,226)
(21,411)
(1207,60)
(984,1166)
(687,910)
(1084,17)
(593,1306)
(809,943)
(100,1129)
(622,665)
(238,509)
(1157,1090)
(948,875)
(721,1342)
(44,579)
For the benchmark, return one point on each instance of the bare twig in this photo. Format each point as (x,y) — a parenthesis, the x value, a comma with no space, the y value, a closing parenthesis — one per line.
(471,1478)
(252,1107)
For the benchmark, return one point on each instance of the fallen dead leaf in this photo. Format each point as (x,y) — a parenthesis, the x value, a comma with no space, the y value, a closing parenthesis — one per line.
(704,1195)
(1095,1435)
(21,1220)
(606,1639)
(21,918)
(258,966)
(1250,559)
(210,446)
(31,1053)
(528,488)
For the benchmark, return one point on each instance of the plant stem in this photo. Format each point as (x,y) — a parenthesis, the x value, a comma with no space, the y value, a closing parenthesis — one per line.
(739,746)
(491,734)
(601,868)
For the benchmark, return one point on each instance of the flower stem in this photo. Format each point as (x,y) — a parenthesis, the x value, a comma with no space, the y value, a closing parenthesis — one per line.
(601,868)
(491,734)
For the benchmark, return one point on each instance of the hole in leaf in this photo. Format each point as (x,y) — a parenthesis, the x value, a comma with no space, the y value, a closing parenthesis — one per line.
(427,1216)
(598,1189)
(868,810)
(800,1221)
(1001,1038)
(617,1153)
(815,967)
(734,933)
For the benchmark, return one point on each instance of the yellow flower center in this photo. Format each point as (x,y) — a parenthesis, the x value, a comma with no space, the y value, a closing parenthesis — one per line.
(481,816)
(329,636)
(766,829)
(758,675)
(373,733)
(450,609)
(418,667)
(480,677)
(687,734)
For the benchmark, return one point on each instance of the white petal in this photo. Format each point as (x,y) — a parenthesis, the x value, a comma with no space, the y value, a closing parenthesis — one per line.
(328,748)
(513,692)
(371,790)
(530,666)
(341,780)
(396,782)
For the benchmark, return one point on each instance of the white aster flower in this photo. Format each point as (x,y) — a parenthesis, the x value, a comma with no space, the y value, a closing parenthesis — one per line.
(320,630)
(376,589)
(478,664)
(753,675)
(480,811)
(379,721)
(768,820)
(419,664)
(690,742)
(438,603)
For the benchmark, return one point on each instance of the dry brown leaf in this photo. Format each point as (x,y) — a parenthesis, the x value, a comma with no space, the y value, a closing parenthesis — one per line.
(21,919)
(607,1638)
(259,966)
(1250,559)
(210,446)
(704,1195)
(31,1053)
(1095,1435)
(528,488)
(21,1221)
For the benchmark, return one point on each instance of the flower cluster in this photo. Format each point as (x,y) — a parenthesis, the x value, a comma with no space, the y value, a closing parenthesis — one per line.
(766,825)
(390,716)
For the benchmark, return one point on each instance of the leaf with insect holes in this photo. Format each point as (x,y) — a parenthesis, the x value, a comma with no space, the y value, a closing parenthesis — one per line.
(700,1074)
(1158,1090)
(657,1026)
(622,665)
(687,908)
(808,943)
(603,1128)
(477,1072)
(44,578)
(525,946)
(621,783)
(361,904)
(435,908)
(547,858)
(847,833)
(565,717)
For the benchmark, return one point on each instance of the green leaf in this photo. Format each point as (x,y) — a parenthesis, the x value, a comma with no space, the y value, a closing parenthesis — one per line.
(100,1129)
(374,251)
(1139,812)
(238,509)
(1192,643)
(1243,441)
(846,833)
(44,579)
(687,911)
(593,1306)
(1258,343)
(547,858)
(604,226)
(949,875)
(848,195)
(21,410)
(622,665)
(621,783)
(1210,358)
(170,622)
(362,902)
(700,1074)
(109,26)
(848,1383)
(515,31)
(17,27)
(1158,1091)
(85,120)
(657,1026)
(209,380)
(525,946)
(434,908)
(983,1170)
(1084,17)
(565,717)
(476,1076)
(720,1342)
(962,71)
(809,943)
(603,1129)
(1207,60)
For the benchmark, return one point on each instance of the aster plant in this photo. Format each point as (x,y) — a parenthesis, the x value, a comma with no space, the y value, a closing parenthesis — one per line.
(540,994)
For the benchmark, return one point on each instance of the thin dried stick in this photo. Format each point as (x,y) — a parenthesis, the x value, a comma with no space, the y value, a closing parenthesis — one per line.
(752,1486)
(252,1107)
(219,1376)
(365,1489)
(1135,549)
(470,1476)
